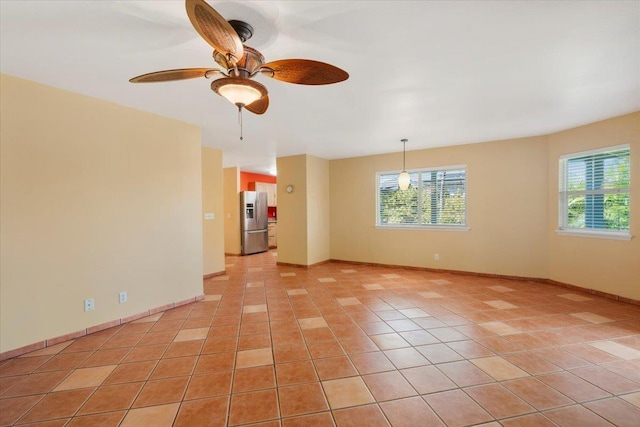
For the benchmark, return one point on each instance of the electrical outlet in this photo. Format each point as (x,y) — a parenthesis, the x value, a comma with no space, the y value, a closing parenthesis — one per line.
(436,257)
(89,304)
(123,297)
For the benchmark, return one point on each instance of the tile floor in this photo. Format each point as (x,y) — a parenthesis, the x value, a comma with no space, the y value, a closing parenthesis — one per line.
(342,345)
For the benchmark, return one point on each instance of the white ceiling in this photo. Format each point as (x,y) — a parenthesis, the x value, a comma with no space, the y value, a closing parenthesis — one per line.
(437,72)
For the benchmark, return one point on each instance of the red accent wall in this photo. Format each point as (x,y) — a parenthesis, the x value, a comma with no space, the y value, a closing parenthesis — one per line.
(273,212)
(247,177)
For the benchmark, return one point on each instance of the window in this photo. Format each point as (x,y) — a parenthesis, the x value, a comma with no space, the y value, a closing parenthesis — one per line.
(436,198)
(594,193)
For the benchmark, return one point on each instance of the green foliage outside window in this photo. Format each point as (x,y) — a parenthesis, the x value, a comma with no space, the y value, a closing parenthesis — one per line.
(433,198)
(597,195)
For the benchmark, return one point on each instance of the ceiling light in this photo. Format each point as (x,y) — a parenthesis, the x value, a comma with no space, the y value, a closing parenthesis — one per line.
(239,91)
(240,94)
(404,179)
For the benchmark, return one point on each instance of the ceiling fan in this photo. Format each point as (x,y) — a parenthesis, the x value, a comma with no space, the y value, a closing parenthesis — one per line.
(241,63)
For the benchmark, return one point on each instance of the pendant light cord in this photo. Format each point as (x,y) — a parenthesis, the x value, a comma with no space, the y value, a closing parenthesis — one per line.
(404,155)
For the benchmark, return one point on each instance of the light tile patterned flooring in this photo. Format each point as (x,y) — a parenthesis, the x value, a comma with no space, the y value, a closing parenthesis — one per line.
(344,345)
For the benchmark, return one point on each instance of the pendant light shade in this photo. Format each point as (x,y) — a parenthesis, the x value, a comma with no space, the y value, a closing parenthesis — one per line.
(404,179)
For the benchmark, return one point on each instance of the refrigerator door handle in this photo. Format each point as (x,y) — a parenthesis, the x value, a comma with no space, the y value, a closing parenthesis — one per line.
(258,210)
(256,231)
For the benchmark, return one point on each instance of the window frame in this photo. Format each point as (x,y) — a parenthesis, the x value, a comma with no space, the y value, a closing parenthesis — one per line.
(563,195)
(433,227)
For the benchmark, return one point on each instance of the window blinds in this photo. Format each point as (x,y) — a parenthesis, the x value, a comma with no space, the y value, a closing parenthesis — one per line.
(434,197)
(594,190)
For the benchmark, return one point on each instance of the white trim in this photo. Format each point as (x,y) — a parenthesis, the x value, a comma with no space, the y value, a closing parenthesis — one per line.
(612,235)
(422,227)
(595,151)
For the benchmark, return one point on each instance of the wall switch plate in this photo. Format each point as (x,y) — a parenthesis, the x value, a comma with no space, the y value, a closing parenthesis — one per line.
(89,304)
(122,297)
(436,257)
(209,216)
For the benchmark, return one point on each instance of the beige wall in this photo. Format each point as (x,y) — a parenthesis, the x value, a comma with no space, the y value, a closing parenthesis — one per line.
(95,199)
(304,214)
(318,210)
(611,266)
(231,182)
(512,212)
(506,208)
(292,210)
(212,202)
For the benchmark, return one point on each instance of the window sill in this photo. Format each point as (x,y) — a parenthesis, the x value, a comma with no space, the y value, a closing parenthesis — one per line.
(422,227)
(612,235)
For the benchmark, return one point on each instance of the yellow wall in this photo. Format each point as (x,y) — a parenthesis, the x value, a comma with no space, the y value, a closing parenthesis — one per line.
(318,211)
(292,210)
(611,266)
(95,199)
(212,202)
(231,182)
(506,211)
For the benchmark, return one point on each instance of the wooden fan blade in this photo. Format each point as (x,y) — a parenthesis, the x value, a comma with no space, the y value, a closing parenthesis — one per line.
(214,29)
(259,106)
(305,72)
(168,75)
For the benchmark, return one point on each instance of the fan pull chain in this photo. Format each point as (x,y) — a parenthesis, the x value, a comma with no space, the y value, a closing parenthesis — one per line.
(240,120)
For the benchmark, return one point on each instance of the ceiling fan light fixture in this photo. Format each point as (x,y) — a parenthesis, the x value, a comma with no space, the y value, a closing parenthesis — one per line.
(239,94)
(239,91)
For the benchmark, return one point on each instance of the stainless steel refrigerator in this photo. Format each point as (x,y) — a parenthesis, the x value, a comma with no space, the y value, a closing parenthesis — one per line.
(253,223)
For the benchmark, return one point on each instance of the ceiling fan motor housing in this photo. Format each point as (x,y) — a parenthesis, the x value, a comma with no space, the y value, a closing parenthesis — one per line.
(250,62)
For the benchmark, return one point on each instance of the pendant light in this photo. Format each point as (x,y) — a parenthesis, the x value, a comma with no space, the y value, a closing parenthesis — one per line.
(404,179)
